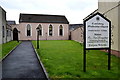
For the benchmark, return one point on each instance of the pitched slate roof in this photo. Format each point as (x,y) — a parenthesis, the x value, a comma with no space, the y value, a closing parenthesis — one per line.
(75,26)
(11,22)
(43,18)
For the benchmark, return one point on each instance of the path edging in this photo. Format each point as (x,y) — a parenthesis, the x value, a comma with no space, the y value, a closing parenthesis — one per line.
(40,62)
(10,52)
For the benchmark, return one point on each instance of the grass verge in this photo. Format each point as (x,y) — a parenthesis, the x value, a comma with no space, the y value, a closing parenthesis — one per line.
(7,47)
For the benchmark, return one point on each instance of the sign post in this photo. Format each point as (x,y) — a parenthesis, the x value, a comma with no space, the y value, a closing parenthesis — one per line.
(97,35)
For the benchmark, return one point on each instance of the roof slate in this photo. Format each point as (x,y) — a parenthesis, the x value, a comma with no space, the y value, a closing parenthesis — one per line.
(75,26)
(42,18)
(11,22)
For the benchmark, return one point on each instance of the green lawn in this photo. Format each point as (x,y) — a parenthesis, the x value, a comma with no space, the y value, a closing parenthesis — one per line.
(64,59)
(7,47)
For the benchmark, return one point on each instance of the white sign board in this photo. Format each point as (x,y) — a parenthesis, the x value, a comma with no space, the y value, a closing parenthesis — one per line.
(97,32)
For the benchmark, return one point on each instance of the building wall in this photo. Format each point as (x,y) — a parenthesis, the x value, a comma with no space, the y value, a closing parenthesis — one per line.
(2,23)
(0,40)
(77,35)
(9,33)
(119,27)
(22,27)
(9,38)
(112,15)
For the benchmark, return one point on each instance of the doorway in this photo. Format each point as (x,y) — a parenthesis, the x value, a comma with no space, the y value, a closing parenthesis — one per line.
(15,34)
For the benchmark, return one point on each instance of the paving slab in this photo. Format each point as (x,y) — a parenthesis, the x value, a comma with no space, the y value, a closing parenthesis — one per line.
(22,63)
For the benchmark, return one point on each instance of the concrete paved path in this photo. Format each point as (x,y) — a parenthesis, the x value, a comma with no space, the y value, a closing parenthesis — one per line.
(22,63)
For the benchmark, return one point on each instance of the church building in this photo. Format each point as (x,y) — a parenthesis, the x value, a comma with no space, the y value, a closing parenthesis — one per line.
(51,27)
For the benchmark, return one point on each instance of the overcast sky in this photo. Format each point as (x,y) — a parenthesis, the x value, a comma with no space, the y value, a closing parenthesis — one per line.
(74,10)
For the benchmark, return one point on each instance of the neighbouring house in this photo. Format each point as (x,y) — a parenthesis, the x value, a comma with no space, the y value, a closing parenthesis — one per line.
(52,27)
(2,26)
(76,32)
(111,10)
(9,32)
(74,26)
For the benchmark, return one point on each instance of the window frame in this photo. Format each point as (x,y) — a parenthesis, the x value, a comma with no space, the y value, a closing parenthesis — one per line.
(40,26)
(27,30)
(49,30)
(59,30)
(3,31)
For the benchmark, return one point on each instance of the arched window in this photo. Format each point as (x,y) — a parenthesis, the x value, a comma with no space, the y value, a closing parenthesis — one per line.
(61,30)
(28,30)
(50,30)
(40,31)
(3,31)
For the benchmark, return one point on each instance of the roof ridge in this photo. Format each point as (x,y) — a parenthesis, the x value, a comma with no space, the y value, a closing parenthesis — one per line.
(40,14)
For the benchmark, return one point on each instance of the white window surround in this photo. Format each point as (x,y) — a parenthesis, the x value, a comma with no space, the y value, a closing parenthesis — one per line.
(52,29)
(42,28)
(59,30)
(26,30)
